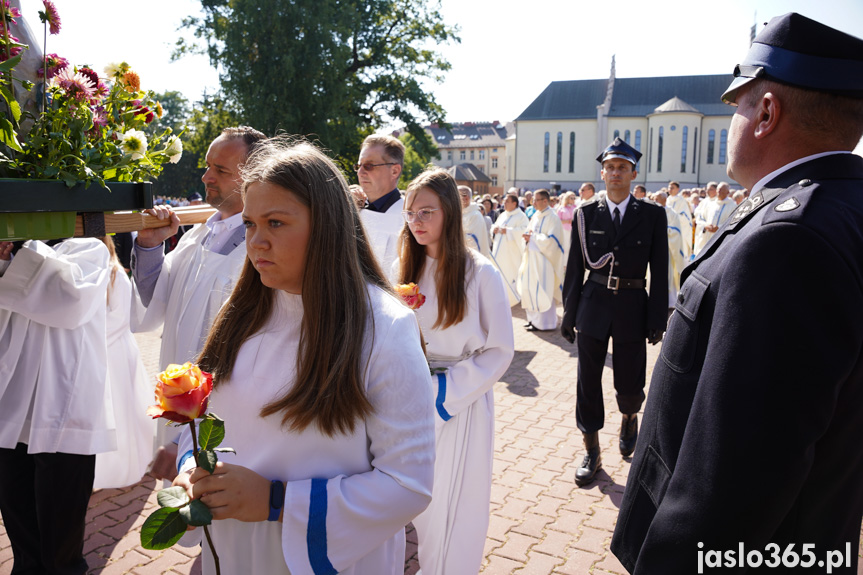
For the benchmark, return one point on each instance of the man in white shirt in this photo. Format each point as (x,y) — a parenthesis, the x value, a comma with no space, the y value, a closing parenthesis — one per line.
(713,215)
(55,408)
(473,222)
(541,274)
(378,170)
(183,291)
(683,215)
(509,244)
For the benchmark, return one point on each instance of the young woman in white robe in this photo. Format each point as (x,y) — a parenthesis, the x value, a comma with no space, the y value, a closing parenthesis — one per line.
(467,325)
(320,377)
(131,391)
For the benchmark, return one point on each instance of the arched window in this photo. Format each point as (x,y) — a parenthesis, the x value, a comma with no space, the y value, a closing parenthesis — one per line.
(650,150)
(571,152)
(626,136)
(545,153)
(559,151)
(685,137)
(617,133)
(723,145)
(711,142)
(694,150)
(659,150)
(637,143)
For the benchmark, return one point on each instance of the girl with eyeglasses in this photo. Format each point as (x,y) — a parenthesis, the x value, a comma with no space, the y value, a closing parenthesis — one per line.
(467,326)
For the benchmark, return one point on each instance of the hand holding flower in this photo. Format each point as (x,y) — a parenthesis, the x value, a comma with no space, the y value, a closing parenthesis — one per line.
(230,492)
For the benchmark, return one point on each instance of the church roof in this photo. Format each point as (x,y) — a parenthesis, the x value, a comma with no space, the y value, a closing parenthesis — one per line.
(632,97)
(467,173)
(675,105)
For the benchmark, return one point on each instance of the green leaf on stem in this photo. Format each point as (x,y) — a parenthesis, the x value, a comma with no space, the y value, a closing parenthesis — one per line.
(197,514)
(162,529)
(211,433)
(173,497)
(207,460)
(10,63)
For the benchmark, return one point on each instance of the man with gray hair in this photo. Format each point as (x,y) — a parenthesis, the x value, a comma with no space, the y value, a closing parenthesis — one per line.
(378,170)
(713,215)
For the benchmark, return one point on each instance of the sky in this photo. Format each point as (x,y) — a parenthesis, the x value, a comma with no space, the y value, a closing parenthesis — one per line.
(506,57)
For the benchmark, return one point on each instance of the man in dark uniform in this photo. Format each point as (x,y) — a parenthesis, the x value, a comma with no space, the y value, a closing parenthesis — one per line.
(615,238)
(751,444)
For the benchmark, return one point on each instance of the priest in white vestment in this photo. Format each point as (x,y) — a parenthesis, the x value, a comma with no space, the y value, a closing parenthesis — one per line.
(712,216)
(540,282)
(378,170)
(473,222)
(183,291)
(676,260)
(683,215)
(55,406)
(508,247)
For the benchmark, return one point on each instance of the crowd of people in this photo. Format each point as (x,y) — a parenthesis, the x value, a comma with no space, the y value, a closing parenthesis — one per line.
(353,412)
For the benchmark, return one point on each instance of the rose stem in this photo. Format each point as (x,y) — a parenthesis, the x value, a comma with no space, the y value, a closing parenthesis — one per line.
(206,531)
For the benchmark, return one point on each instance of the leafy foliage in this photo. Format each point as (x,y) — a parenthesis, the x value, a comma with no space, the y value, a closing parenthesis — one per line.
(333,70)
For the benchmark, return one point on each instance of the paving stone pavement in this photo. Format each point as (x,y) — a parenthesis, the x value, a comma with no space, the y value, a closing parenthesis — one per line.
(541,523)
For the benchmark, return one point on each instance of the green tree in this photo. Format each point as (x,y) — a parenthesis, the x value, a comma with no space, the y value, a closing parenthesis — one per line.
(331,70)
(183,178)
(417,158)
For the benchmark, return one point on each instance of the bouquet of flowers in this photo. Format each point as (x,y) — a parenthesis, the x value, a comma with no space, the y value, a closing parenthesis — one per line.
(90,127)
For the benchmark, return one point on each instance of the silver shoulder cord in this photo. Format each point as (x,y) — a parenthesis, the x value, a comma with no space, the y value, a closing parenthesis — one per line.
(603,260)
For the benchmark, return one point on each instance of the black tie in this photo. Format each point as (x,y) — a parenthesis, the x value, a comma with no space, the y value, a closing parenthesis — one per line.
(616,221)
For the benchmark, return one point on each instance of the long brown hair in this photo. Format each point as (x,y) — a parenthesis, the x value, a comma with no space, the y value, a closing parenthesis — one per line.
(453,256)
(328,391)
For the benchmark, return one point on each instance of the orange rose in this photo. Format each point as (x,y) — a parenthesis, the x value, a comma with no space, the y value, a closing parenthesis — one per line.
(182,393)
(410,294)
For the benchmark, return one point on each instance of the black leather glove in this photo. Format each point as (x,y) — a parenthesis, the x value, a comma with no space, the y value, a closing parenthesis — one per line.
(568,333)
(654,336)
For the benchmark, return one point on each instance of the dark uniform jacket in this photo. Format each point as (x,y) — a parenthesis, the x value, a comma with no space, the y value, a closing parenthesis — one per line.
(753,428)
(628,313)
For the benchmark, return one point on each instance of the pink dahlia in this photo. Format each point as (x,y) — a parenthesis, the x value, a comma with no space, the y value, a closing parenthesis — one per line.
(51,16)
(55,64)
(75,84)
(13,49)
(11,12)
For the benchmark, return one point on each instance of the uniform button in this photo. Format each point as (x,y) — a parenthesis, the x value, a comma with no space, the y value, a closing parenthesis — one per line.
(806,182)
(638,242)
(680,297)
(616,248)
(617,263)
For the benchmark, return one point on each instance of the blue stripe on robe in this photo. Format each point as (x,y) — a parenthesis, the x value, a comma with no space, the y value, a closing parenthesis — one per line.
(441,397)
(316,536)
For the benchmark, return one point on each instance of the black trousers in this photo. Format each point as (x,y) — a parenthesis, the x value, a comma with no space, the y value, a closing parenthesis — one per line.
(43,501)
(629,362)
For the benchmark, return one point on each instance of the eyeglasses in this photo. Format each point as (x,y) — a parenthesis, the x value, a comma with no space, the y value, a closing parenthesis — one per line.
(423,215)
(368,166)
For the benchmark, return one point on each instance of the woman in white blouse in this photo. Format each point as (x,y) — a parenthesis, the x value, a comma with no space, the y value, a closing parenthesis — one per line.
(467,325)
(320,377)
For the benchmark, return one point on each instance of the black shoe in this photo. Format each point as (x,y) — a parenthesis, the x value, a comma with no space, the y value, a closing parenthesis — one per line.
(527,325)
(531,327)
(592,460)
(628,434)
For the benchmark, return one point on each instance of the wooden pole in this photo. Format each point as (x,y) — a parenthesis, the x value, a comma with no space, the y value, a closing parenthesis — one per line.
(119,222)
